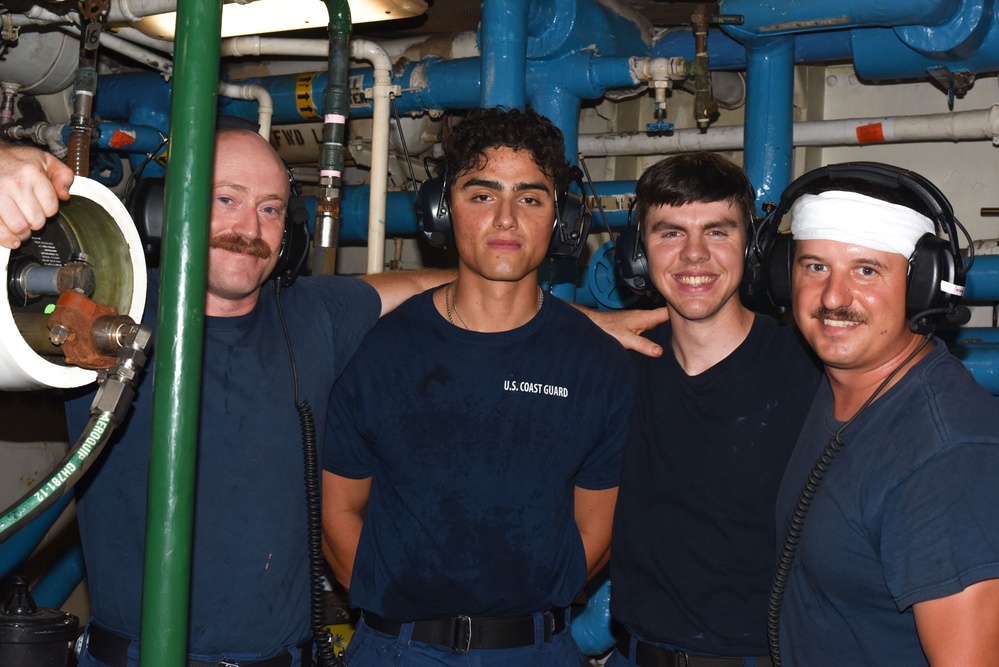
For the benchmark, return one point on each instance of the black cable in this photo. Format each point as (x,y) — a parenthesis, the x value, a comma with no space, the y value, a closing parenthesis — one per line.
(313,511)
(596,197)
(405,149)
(130,181)
(801,507)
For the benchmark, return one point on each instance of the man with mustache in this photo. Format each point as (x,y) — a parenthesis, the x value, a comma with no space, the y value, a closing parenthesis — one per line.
(250,583)
(249,578)
(891,497)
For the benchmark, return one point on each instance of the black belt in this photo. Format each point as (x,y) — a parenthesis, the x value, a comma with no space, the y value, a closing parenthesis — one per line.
(112,650)
(462,633)
(650,655)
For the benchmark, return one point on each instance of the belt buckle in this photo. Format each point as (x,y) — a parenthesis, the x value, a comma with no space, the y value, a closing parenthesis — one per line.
(226,663)
(462,634)
(549,618)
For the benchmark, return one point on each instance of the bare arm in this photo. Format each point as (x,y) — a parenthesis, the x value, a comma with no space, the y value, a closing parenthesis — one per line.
(394,287)
(627,326)
(961,629)
(31,184)
(344,502)
(594,515)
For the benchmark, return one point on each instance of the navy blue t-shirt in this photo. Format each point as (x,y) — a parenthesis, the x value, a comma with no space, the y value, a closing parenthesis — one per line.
(908,511)
(693,557)
(249,579)
(475,442)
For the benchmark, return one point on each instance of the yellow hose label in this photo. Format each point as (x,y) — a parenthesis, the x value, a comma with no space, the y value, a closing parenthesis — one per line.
(303,96)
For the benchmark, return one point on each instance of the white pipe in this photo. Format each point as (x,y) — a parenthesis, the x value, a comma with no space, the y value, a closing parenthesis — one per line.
(142,39)
(959,126)
(365,50)
(265,105)
(360,49)
(127,48)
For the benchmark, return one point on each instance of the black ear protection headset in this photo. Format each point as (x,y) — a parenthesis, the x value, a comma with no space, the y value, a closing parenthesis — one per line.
(629,257)
(936,273)
(146,208)
(433,212)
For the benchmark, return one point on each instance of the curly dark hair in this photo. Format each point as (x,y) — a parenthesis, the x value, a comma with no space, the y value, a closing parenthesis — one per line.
(700,177)
(500,127)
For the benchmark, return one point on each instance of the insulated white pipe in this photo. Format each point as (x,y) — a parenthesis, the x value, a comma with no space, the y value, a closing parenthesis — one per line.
(959,126)
(265,104)
(126,48)
(360,49)
(376,55)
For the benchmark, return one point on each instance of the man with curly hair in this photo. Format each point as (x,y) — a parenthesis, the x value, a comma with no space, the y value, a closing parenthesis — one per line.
(470,489)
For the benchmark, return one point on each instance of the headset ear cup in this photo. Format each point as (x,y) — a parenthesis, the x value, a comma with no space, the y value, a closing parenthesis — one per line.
(775,278)
(572,225)
(631,262)
(295,244)
(930,266)
(433,212)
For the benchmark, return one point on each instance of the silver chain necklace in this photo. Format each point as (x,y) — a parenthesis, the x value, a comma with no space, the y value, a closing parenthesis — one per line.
(447,303)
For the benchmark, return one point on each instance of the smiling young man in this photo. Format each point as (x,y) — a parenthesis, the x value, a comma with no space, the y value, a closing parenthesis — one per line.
(470,491)
(898,556)
(692,557)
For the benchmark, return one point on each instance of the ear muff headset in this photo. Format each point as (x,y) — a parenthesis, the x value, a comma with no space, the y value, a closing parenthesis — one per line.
(629,258)
(146,208)
(295,244)
(433,213)
(936,269)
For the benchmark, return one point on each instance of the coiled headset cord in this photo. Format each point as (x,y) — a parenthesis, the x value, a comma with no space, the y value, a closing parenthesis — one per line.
(801,507)
(313,507)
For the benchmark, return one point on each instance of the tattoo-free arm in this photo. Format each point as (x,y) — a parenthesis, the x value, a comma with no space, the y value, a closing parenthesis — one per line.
(344,503)
(627,326)
(594,515)
(961,629)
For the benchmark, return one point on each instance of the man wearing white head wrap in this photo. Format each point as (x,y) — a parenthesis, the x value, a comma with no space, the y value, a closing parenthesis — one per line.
(897,562)
(850,217)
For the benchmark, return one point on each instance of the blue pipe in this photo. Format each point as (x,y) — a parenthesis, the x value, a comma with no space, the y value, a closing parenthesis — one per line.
(124,137)
(880,54)
(983,279)
(503,45)
(16,550)
(725,53)
(559,27)
(769,124)
(61,579)
(790,16)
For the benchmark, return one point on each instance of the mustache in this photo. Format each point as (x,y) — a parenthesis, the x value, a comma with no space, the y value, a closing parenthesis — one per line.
(236,243)
(842,314)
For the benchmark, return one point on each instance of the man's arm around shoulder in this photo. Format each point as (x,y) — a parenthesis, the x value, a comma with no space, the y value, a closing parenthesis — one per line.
(394,287)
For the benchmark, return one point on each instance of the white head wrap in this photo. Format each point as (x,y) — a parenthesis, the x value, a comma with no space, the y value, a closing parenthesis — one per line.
(857,219)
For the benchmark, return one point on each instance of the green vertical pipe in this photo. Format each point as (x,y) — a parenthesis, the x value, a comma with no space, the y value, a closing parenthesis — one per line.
(177,377)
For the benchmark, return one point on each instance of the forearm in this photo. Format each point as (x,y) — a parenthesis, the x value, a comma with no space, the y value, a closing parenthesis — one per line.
(341,534)
(594,512)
